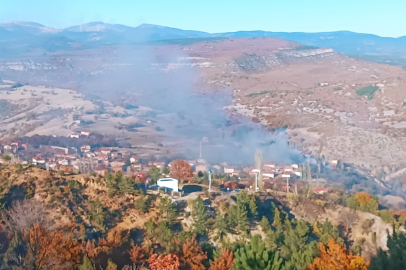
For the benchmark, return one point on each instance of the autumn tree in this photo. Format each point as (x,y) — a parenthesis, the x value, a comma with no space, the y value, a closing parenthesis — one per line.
(139,255)
(88,248)
(111,265)
(335,257)
(223,260)
(41,248)
(180,170)
(160,262)
(192,255)
(86,264)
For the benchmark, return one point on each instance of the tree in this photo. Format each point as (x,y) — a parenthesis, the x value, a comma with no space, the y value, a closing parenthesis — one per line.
(221,226)
(139,255)
(242,218)
(363,198)
(97,212)
(249,201)
(264,223)
(192,255)
(349,218)
(111,265)
(126,185)
(395,256)
(86,264)
(254,255)
(7,158)
(181,170)
(166,210)
(277,220)
(41,248)
(164,235)
(199,215)
(326,232)
(223,260)
(88,248)
(335,257)
(155,173)
(141,204)
(165,171)
(168,262)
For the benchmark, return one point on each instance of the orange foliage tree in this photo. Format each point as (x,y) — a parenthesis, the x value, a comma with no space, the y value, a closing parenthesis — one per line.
(180,170)
(88,248)
(114,239)
(193,255)
(335,257)
(363,198)
(49,249)
(139,255)
(168,262)
(224,262)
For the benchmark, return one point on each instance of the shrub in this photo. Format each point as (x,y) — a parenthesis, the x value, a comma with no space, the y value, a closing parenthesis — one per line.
(368,91)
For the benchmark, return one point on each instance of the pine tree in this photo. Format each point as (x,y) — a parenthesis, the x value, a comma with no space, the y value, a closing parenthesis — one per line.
(164,235)
(255,256)
(264,223)
(166,210)
(395,256)
(220,225)
(86,264)
(242,218)
(199,215)
(249,201)
(277,220)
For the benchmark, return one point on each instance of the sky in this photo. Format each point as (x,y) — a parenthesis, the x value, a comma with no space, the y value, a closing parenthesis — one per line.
(384,18)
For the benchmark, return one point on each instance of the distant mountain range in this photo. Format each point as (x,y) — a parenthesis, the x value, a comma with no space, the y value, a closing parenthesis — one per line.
(23,37)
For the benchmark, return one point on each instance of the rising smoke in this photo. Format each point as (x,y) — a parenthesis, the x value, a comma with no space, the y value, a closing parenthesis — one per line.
(170,85)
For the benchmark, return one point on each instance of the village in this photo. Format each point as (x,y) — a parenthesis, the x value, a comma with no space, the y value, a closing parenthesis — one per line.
(101,160)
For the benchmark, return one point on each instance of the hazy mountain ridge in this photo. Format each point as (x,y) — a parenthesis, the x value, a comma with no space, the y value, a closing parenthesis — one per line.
(21,37)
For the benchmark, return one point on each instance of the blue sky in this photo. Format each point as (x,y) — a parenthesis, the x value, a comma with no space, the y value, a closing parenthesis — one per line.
(385,18)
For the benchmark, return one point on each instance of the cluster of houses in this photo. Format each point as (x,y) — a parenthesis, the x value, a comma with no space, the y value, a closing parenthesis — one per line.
(105,159)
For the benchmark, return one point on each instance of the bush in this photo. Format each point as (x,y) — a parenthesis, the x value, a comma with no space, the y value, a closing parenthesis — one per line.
(387,215)
(320,203)
(368,91)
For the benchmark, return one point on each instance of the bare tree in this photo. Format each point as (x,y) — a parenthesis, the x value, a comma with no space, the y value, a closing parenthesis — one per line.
(349,218)
(23,215)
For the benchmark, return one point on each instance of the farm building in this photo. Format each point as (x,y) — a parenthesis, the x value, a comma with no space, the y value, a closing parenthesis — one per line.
(170,183)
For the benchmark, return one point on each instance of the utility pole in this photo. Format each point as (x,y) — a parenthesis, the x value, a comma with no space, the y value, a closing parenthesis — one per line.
(256,182)
(209,181)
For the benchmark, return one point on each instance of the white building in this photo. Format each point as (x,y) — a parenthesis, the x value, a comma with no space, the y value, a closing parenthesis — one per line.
(170,183)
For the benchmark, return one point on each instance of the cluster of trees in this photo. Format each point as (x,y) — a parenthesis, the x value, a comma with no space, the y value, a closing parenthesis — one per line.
(120,184)
(365,202)
(95,140)
(177,236)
